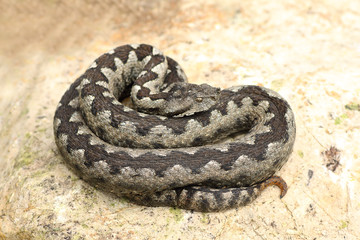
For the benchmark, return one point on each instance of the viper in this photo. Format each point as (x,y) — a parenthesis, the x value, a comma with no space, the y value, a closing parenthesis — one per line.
(132,125)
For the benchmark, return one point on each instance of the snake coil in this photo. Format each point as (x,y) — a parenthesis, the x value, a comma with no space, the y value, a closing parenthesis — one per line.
(177,144)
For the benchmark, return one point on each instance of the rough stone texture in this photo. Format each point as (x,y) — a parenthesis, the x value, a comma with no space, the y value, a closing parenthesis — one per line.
(307,50)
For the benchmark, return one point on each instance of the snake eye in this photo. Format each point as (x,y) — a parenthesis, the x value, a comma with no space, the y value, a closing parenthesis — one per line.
(199,99)
(213,98)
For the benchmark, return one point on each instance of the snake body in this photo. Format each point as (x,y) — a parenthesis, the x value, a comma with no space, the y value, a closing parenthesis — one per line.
(177,144)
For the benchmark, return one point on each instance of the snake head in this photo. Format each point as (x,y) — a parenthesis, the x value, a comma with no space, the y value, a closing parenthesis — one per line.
(186,99)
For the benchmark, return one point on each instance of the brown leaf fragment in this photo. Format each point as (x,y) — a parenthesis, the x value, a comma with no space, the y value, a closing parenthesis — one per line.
(332,158)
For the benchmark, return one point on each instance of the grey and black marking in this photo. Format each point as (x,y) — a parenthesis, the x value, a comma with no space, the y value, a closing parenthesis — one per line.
(180,144)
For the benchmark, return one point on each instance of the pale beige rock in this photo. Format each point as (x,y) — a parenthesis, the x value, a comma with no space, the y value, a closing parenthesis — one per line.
(308,51)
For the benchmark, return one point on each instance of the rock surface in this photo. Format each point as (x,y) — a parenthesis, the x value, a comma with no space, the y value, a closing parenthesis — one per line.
(308,51)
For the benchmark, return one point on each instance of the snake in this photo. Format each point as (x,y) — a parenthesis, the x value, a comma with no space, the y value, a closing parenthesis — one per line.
(131,125)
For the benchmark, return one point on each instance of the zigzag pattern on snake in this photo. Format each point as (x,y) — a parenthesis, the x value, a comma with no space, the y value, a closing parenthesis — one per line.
(176,144)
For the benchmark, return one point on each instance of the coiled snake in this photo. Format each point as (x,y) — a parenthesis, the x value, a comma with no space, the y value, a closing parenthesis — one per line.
(177,144)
